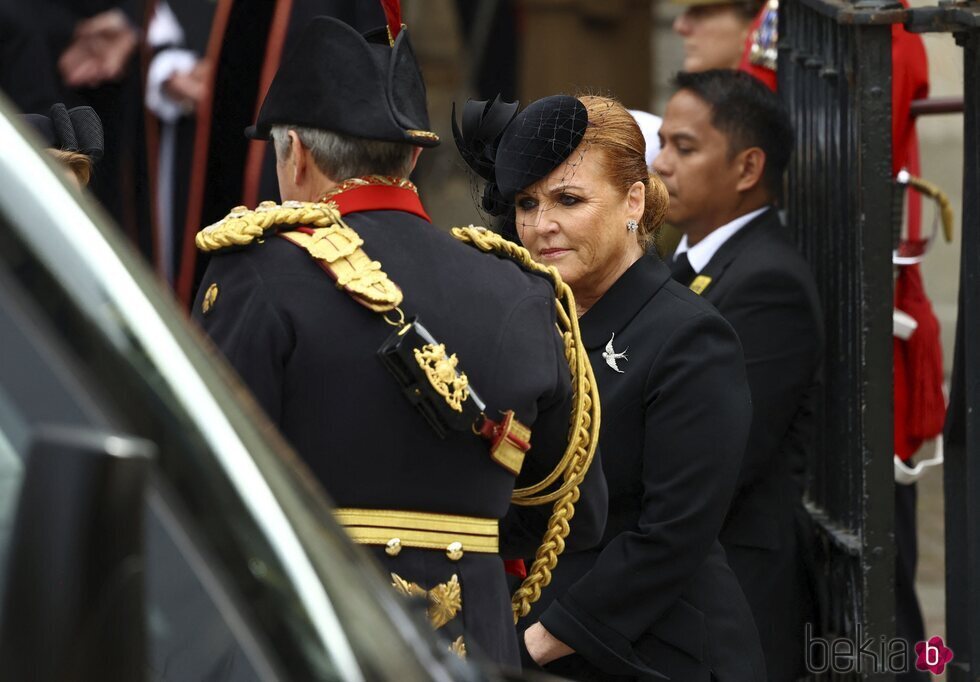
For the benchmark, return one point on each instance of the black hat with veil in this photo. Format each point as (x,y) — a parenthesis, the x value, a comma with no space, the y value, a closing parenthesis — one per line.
(511,151)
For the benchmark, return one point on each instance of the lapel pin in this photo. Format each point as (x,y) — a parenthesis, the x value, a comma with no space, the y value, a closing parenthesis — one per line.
(699,284)
(611,356)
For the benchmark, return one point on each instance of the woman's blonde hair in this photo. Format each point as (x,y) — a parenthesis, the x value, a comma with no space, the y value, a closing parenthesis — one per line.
(615,132)
(77,163)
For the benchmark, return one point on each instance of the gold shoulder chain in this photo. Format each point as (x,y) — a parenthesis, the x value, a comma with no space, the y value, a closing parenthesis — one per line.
(583,431)
(332,243)
(243,226)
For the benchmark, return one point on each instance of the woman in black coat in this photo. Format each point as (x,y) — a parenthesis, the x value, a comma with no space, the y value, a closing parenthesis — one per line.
(656,597)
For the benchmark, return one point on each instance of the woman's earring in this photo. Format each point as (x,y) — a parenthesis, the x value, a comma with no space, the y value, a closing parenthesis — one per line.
(632,225)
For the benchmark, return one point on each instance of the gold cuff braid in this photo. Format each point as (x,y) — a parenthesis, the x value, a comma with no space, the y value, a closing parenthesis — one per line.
(583,430)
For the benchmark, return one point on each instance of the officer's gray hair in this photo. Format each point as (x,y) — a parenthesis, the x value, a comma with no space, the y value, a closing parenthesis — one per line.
(343,156)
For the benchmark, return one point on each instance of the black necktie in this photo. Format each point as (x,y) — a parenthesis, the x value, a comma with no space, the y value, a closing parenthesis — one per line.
(681,270)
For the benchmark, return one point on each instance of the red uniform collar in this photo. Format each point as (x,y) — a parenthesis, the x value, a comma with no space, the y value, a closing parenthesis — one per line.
(376,193)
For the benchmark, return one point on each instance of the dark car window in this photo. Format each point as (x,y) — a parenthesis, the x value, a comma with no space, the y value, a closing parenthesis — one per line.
(250,525)
(189,636)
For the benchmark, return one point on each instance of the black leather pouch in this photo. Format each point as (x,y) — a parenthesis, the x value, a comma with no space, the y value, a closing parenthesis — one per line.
(398,354)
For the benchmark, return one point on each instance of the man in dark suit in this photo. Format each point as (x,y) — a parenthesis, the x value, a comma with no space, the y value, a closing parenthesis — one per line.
(726,142)
(327,339)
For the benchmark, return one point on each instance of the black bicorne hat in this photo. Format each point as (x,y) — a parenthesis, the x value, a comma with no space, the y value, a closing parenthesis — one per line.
(338,80)
(71,130)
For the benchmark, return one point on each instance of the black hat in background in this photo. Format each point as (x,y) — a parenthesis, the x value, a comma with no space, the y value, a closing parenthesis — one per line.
(71,130)
(338,80)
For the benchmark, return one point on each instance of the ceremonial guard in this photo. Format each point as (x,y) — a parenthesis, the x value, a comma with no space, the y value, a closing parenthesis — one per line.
(421,379)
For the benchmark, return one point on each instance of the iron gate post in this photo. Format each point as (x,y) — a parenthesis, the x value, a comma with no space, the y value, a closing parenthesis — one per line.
(961,476)
(835,75)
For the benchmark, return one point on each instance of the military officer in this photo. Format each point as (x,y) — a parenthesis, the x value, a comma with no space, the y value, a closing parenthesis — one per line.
(408,369)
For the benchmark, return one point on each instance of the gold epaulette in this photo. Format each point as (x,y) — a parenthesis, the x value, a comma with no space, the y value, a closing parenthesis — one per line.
(333,245)
(243,226)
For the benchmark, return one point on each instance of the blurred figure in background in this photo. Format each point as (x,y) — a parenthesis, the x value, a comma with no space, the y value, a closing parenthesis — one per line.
(22,49)
(84,53)
(714,32)
(178,80)
(650,127)
(93,45)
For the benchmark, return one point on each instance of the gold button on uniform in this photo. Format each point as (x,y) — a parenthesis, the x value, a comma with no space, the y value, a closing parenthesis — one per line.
(210,296)
(393,547)
(455,551)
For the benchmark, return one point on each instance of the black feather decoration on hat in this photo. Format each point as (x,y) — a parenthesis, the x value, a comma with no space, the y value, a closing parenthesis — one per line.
(482,125)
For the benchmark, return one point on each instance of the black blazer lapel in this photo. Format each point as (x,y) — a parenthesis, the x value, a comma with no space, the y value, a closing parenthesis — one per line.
(623,301)
(730,250)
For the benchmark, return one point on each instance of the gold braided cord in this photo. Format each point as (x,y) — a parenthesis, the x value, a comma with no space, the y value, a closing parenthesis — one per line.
(584,427)
(552,545)
(583,430)
(242,226)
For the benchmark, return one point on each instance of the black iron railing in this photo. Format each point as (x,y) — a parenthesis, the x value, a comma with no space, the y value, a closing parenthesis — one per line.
(962,437)
(835,74)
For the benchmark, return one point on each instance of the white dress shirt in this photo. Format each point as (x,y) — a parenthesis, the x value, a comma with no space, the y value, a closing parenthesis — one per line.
(701,253)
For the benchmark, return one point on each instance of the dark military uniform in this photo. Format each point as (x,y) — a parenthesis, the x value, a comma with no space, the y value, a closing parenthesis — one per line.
(299,310)
(307,351)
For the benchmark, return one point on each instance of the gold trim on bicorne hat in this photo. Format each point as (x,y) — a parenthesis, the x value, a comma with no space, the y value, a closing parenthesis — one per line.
(423,134)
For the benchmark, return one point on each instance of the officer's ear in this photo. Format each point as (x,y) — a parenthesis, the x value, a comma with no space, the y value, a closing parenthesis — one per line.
(416,152)
(297,159)
(751,164)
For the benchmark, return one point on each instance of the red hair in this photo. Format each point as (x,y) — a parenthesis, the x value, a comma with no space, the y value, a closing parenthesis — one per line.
(613,131)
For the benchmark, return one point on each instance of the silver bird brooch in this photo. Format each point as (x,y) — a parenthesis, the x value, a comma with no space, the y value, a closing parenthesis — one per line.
(611,356)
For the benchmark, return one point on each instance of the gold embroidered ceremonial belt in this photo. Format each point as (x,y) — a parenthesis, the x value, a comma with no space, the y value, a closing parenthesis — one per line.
(396,529)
